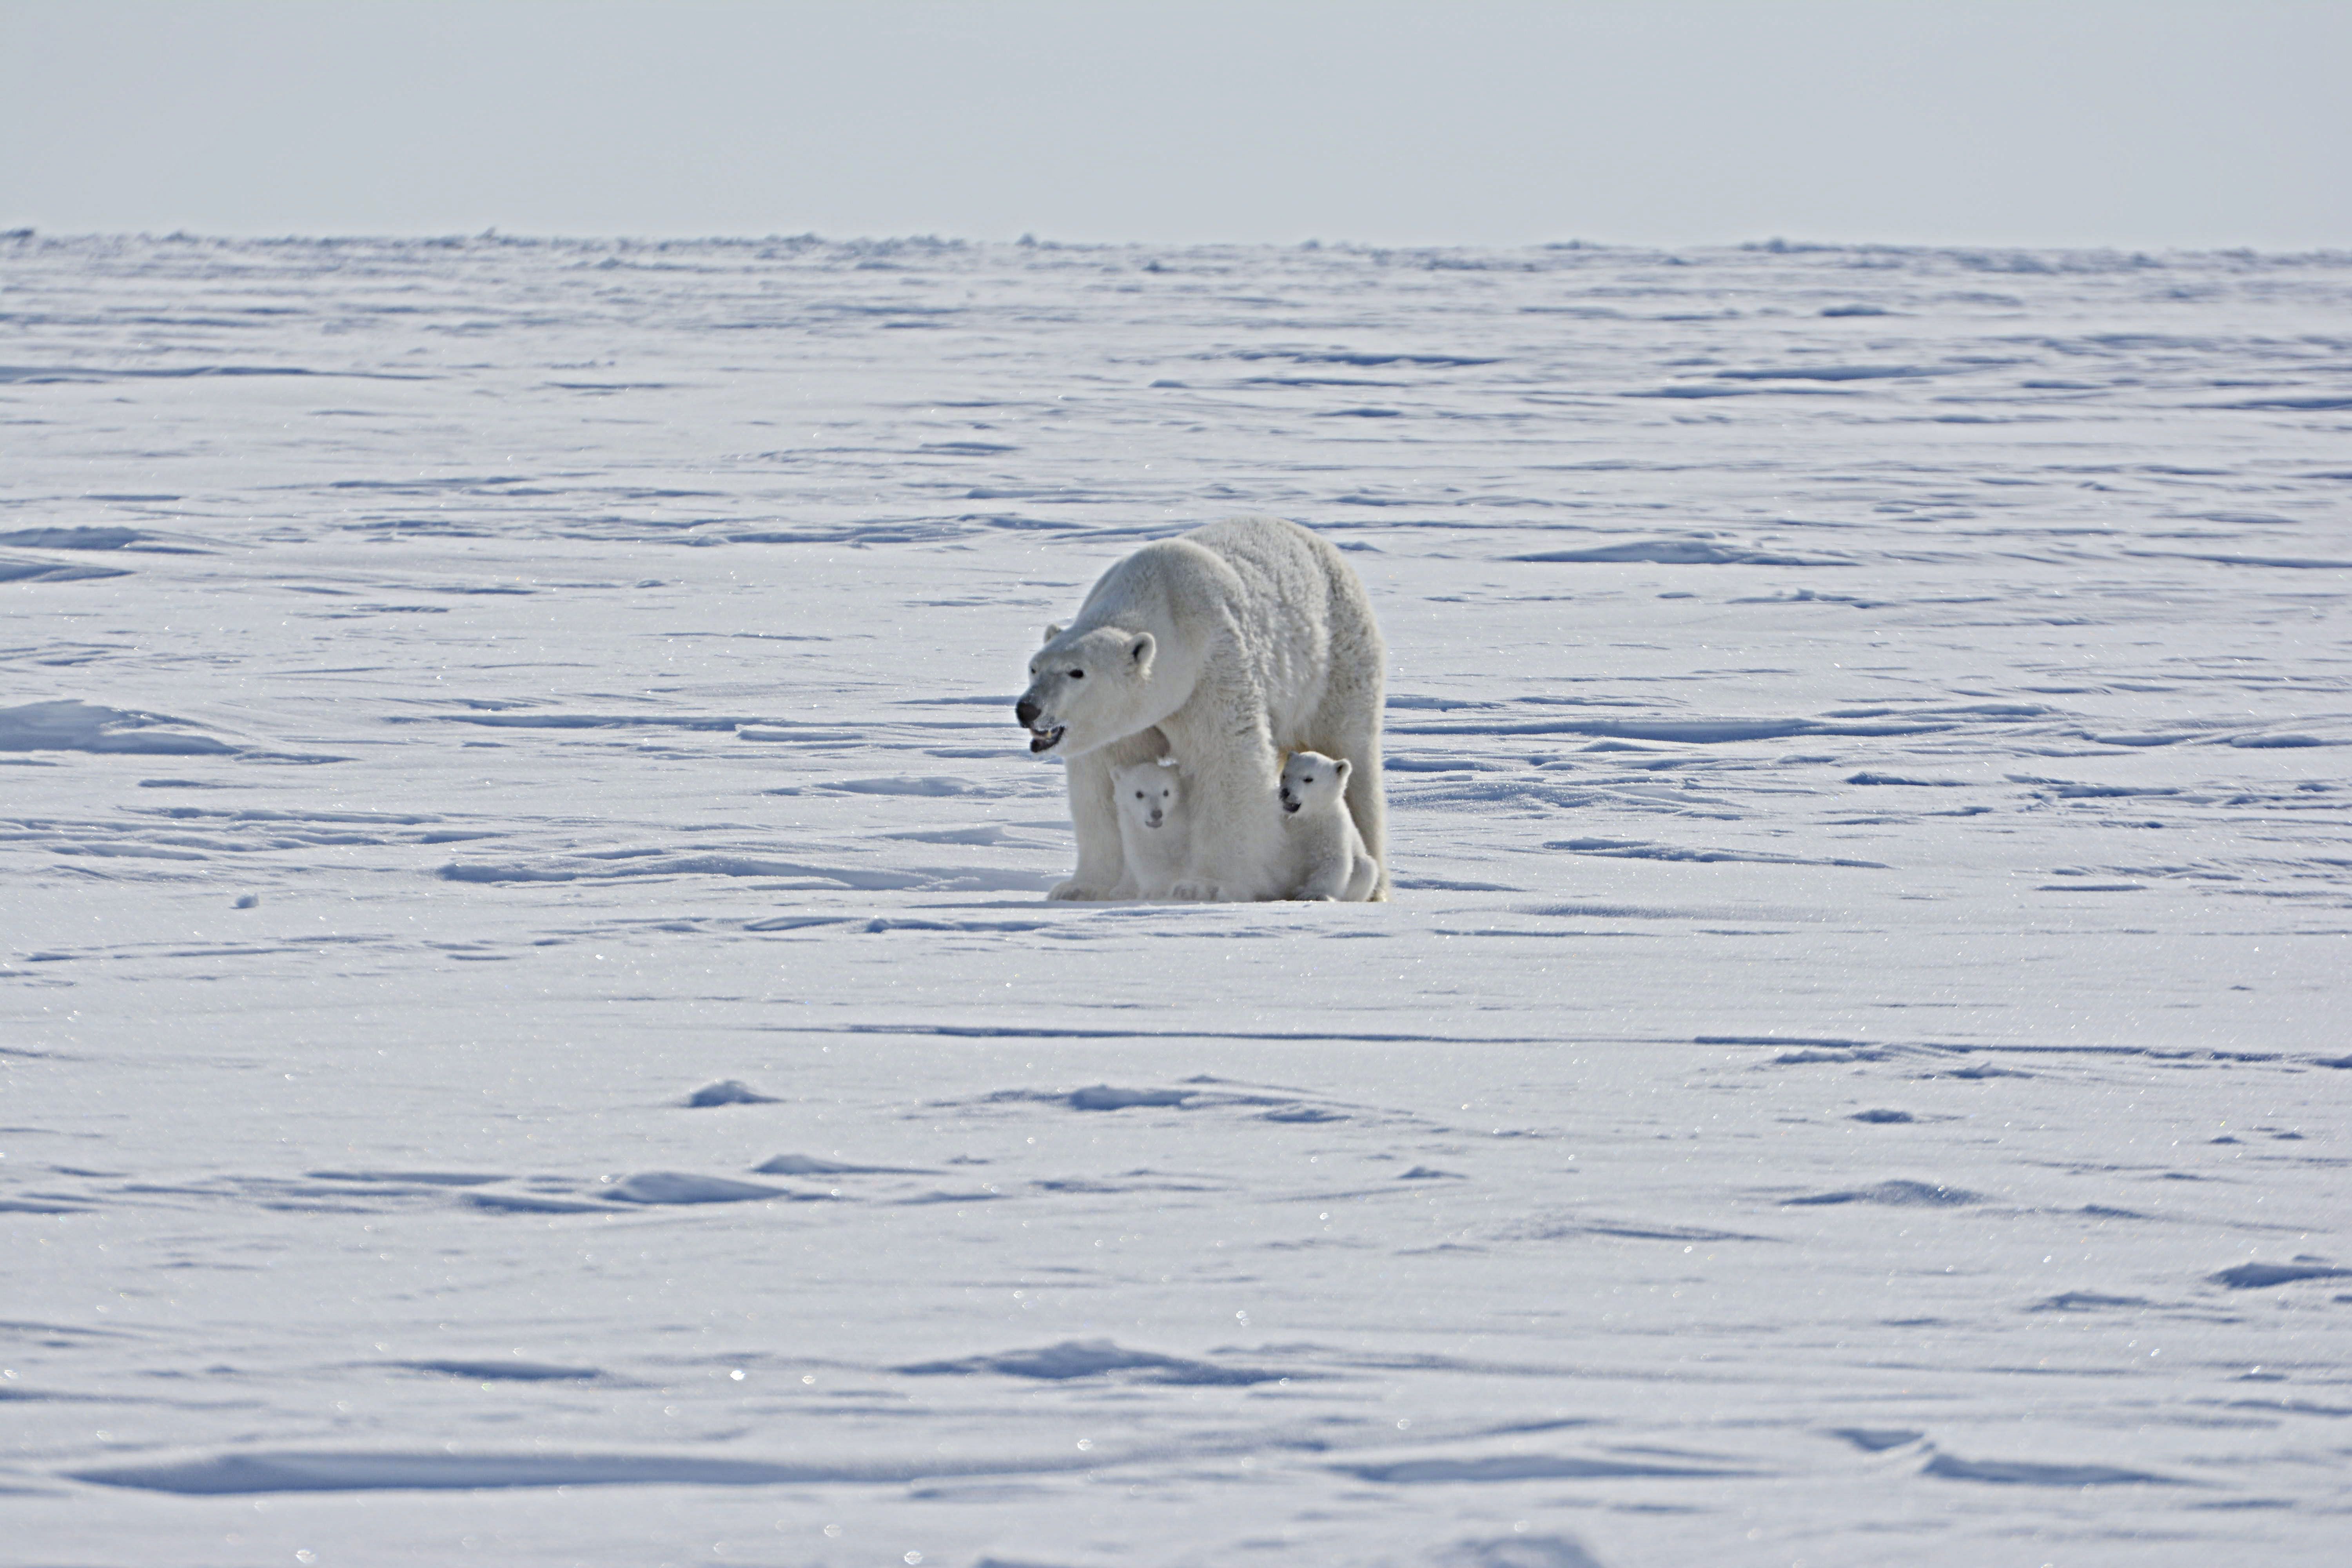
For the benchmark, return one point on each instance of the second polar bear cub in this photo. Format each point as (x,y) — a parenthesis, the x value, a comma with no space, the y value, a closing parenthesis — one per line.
(1155,828)
(1327,855)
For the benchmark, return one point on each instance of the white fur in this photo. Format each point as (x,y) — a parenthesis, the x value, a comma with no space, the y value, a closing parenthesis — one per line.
(1325,857)
(1224,647)
(1155,830)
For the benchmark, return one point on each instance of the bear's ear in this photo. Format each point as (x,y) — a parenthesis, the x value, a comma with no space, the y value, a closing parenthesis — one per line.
(1167,761)
(1054,631)
(1140,652)
(1339,771)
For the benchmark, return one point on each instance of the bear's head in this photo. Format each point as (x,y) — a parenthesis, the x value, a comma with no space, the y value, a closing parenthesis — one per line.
(1149,791)
(1088,689)
(1312,779)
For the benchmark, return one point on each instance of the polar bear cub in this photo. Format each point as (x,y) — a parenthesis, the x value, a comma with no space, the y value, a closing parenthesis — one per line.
(1327,855)
(1155,828)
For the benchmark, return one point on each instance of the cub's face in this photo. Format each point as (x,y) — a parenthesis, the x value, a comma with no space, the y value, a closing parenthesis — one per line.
(1310,779)
(1085,690)
(1148,793)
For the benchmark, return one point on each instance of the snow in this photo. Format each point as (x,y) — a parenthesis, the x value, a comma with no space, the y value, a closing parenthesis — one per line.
(531,1028)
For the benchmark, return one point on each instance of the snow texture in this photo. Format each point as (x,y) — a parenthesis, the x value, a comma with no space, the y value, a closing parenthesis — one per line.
(531,1030)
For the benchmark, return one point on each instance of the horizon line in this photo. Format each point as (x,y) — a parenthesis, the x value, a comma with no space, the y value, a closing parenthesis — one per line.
(1775,245)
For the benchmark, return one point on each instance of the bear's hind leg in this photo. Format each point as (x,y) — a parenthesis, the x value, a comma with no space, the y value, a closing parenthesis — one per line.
(1366,801)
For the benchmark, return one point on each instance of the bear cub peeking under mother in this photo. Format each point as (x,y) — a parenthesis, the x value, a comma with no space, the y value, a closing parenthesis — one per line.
(1155,831)
(1328,858)
(1222,649)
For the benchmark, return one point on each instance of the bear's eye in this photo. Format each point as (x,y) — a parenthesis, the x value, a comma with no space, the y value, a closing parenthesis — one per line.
(1077,675)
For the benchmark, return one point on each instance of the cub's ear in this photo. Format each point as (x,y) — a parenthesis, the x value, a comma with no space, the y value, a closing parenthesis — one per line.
(1140,652)
(1053,632)
(1168,761)
(1340,771)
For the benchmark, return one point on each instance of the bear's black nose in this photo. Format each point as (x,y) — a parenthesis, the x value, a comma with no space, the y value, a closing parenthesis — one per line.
(1026,711)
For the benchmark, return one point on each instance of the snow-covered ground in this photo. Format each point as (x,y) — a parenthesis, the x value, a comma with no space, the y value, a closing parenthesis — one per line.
(1855,1070)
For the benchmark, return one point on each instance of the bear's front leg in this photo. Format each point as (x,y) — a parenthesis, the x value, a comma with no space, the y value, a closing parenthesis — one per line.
(1102,863)
(1324,881)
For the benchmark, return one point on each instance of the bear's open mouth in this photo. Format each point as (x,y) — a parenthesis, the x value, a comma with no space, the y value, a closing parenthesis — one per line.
(1046,740)
(1291,806)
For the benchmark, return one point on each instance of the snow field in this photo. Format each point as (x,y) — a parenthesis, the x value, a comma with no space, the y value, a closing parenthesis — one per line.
(1855,1064)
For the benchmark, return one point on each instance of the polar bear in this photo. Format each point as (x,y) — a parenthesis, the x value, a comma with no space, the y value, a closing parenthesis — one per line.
(1224,647)
(1327,858)
(1155,831)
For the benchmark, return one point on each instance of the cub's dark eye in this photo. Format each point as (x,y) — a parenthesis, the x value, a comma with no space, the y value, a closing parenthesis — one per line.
(1077,675)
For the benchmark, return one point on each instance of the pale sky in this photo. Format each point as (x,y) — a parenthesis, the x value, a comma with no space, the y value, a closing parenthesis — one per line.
(2132,124)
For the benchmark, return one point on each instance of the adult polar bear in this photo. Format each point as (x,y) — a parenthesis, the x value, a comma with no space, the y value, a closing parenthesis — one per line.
(1224,648)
